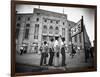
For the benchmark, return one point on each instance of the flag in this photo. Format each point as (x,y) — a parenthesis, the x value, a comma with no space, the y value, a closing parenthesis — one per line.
(77,28)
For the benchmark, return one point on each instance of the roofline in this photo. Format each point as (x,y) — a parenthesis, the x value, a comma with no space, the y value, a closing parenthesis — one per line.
(50,11)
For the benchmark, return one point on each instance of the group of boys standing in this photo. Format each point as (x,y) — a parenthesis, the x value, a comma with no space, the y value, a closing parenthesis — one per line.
(53,48)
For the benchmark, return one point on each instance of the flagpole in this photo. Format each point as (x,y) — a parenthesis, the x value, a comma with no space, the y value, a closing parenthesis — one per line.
(82,23)
(71,46)
(39,7)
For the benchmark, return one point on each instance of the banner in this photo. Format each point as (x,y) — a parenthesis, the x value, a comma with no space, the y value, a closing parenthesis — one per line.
(76,29)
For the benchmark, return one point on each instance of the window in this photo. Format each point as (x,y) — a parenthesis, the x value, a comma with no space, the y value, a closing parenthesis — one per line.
(27,25)
(63,23)
(44,38)
(50,29)
(51,21)
(37,19)
(44,29)
(27,31)
(28,18)
(17,30)
(38,13)
(36,31)
(75,38)
(57,22)
(56,30)
(45,20)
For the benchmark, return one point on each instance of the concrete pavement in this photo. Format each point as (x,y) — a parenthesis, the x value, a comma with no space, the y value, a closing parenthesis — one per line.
(34,59)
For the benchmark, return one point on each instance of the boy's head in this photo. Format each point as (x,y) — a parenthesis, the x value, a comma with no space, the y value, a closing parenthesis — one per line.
(45,42)
(52,40)
(56,38)
(63,39)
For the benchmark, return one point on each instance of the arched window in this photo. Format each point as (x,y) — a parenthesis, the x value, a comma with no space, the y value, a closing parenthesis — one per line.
(28,18)
(27,31)
(36,31)
(50,29)
(56,30)
(44,29)
(27,25)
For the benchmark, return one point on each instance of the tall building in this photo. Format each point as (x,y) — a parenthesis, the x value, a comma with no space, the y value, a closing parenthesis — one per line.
(41,25)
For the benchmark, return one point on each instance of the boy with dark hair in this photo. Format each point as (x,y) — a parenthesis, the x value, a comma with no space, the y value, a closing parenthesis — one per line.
(44,54)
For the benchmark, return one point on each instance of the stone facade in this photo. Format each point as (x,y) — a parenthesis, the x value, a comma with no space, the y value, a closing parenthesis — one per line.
(32,29)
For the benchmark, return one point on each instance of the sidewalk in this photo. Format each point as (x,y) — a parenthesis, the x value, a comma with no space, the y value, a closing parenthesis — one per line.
(34,59)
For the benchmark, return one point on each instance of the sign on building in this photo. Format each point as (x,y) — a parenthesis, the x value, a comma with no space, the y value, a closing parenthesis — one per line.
(76,29)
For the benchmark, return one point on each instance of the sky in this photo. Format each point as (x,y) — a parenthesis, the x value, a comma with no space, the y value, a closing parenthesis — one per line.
(73,14)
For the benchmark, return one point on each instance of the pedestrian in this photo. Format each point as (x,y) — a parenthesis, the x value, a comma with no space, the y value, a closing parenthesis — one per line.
(21,50)
(56,52)
(43,54)
(91,51)
(51,52)
(78,50)
(41,48)
(86,54)
(63,52)
(73,52)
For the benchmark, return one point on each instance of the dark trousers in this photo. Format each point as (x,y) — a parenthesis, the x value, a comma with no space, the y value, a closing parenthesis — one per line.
(51,58)
(91,52)
(63,56)
(43,59)
(21,52)
(86,55)
(63,60)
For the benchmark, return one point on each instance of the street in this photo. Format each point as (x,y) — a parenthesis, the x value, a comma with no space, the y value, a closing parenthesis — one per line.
(34,59)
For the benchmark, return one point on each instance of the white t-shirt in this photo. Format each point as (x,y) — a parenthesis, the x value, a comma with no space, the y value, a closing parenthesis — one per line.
(21,48)
(51,44)
(62,43)
(56,43)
